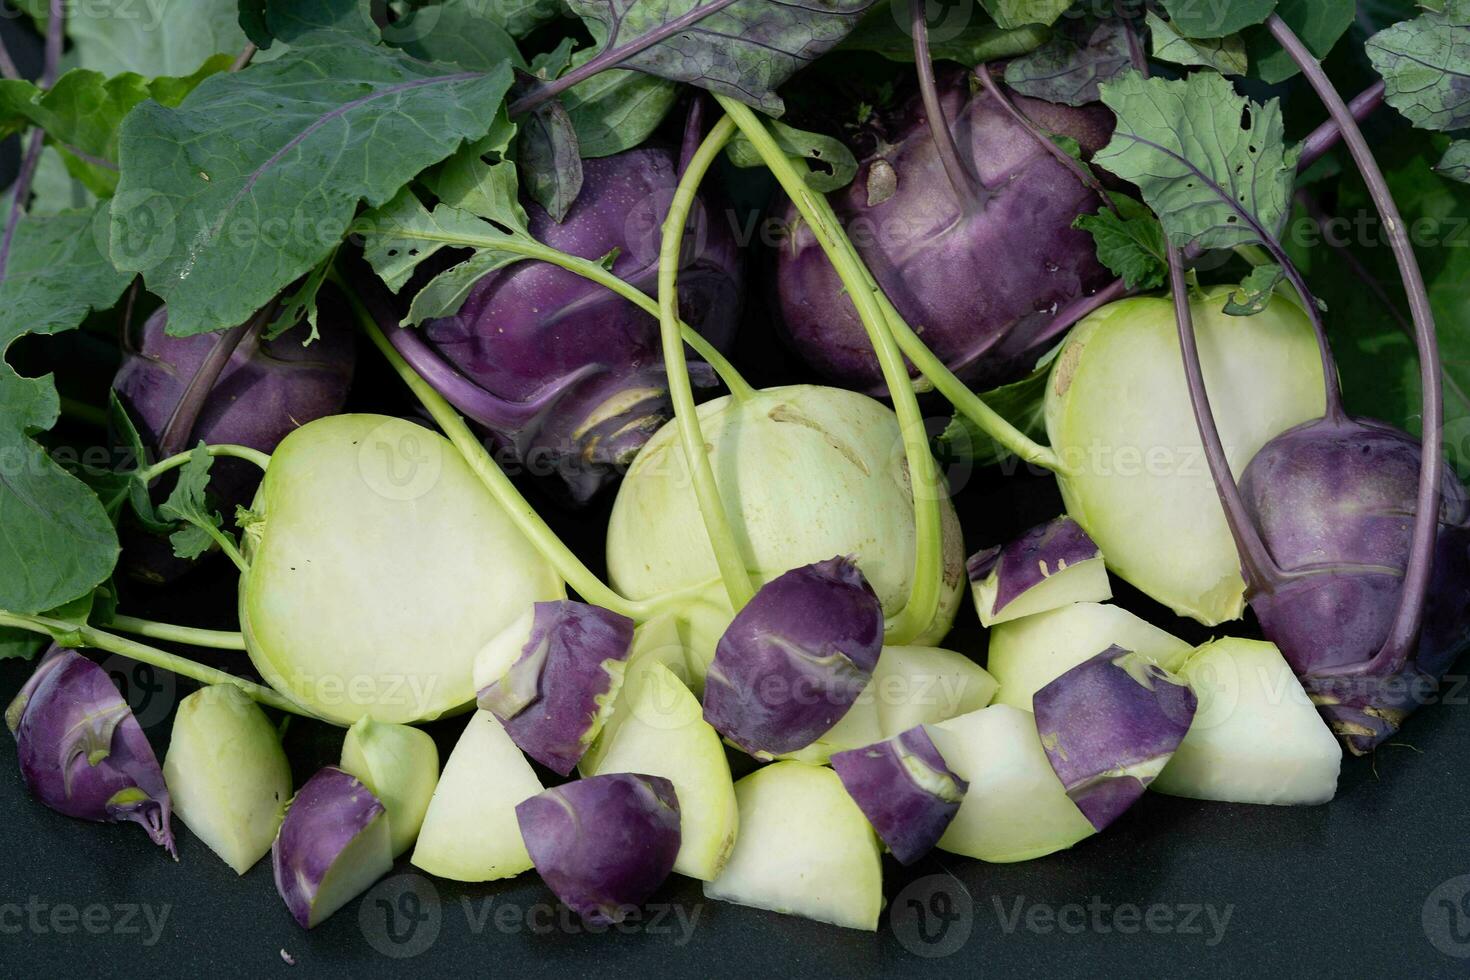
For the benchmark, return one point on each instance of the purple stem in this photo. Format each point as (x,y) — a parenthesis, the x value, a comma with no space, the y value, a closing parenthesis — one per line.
(961,180)
(1326,136)
(242,60)
(22,189)
(614,56)
(55,23)
(1068,316)
(1404,634)
(1048,144)
(1260,569)
(7,63)
(175,436)
(693,130)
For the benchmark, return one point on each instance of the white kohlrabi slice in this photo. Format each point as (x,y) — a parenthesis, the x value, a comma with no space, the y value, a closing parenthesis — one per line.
(1118,415)
(661,731)
(1016,808)
(656,643)
(379,567)
(470,832)
(400,765)
(227,774)
(1256,736)
(806,473)
(1028,654)
(804,848)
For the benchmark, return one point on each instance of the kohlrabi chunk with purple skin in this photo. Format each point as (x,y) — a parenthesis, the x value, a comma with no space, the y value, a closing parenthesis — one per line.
(1028,654)
(555,697)
(1013,246)
(399,765)
(564,372)
(470,831)
(1334,501)
(333,844)
(228,774)
(81,750)
(795,658)
(603,844)
(904,788)
(1109,725)
(1051,565)
(1256,736)
(804,849)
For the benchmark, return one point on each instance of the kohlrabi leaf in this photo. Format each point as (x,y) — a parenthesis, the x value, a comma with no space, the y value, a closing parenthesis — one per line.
(1217,18)
(1425,63)
(1068,68)
(1455,164)
(549,159)
(744,49)
(481,178)
(252,180)
(1214,166)
(1019,13)
(1224,54)
(617,109)
(299,305)
(18,644)
(455,33)
(1254,293)
(1022,403)
(56,540)
(54,189)
(521,17)
(153,37)
(267,21)
(1319,23)
(1130,242)
(958,35)
(835,166)
(188,503)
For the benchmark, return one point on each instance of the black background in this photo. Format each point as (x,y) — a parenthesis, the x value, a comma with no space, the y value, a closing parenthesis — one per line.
(1364,886)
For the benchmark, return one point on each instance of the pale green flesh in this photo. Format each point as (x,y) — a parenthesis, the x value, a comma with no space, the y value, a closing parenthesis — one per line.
(382,567)
(400,766)
(1085,581)
(804,849)
(365,859)
(227,774)
(1118,415)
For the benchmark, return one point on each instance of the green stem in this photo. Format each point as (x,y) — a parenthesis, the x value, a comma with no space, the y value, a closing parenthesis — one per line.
(722,538)
(82,412)
(541,536)
(923,603)
(150,473)
(209,639)
(96,639)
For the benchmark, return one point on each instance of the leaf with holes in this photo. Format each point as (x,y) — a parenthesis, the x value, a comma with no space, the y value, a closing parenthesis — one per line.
(1255,291)
(834,162)
(1425,64)
(1071,66)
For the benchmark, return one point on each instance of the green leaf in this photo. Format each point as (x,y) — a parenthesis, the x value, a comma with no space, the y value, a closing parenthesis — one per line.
(1319,23)
(837,166)
(743,49)
(1217,18)
(616,110)
(55,190)
(1130,242)
(463,34)
(267,21)
(1214,166)
(56,540)
(1019,13)
(1455,164)
(1224,54)
(188,503)
(1255,291)
(957,35)
(153,37)
(17,644)
(1022,403)
(481,178)
(517,17)
(548,159)
(1069,67)
(1425,64)
(252,180)
(300,304)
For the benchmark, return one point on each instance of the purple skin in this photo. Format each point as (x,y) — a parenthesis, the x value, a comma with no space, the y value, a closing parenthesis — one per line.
(265,390)
(323,818)
(560,369)
(1100,718)
(1032,558)
(603,844)
(552,699)
(81,750)
(1334,501)
(910,814)
(1014,247)
(793,661)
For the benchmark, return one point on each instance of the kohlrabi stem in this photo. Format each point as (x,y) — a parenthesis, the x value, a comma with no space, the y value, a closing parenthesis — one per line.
(1404,634)
(962,180)
(1326,136)
(378,318)
(96,639)
(1079,170)
(186,411)
(242,60)
(1079,309)
(918,613)
(192,636)
(729,556)
(7,64)
(150,473)
(1259,568)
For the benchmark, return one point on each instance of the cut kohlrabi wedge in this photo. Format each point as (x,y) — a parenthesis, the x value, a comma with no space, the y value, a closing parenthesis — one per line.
(804,849)
(922,685)
(400,765)
(332,846)
(1256,737)
(1051,565)
(470,832)
(227,774)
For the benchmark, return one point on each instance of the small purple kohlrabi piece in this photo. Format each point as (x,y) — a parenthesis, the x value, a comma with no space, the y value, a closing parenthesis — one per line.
(555,697)
(1334,501)
(1108,726)
(1003,574)
(905,789)
(317,868)
(793,661)
(81,750)
(603,844)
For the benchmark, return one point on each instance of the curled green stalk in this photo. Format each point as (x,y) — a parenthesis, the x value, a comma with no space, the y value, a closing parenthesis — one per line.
(722,538)
(150,473)
(918,613)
